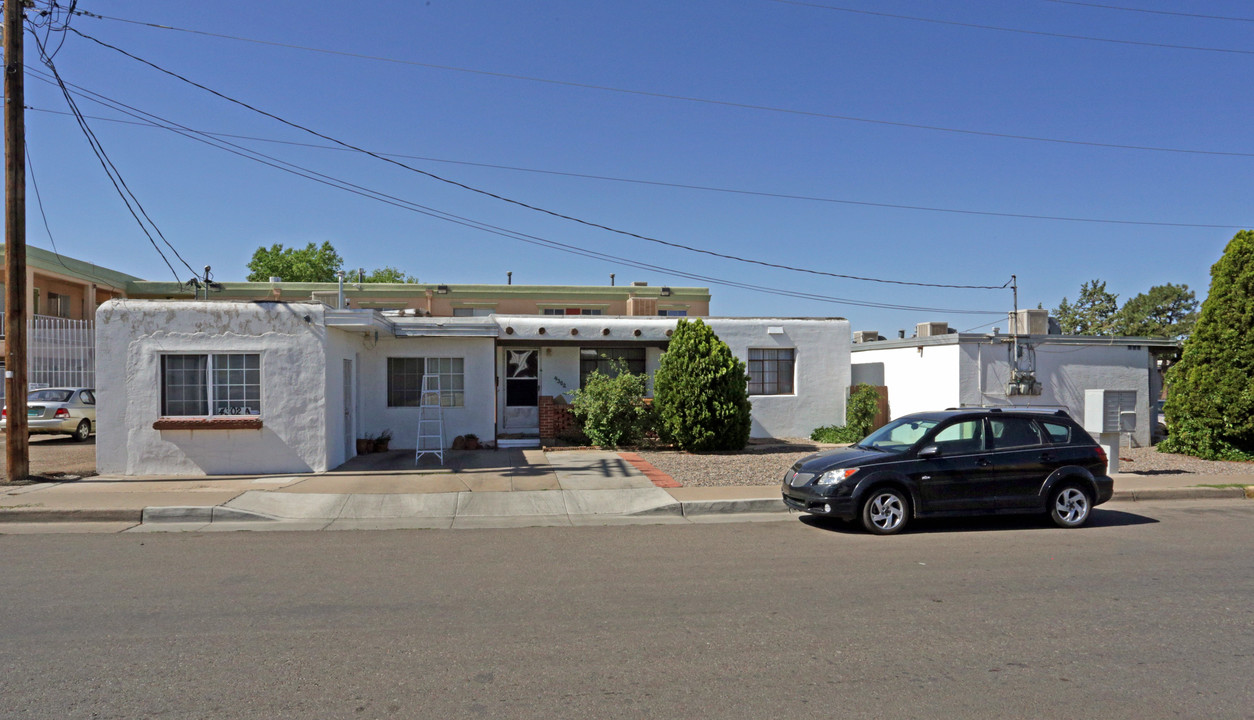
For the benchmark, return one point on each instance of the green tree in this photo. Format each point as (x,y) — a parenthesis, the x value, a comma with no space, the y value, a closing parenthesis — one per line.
(389,274)
(1168,311)
(701,391)
(864,403)
(611,406)
(1093,312)
(311,264)
(1210,406)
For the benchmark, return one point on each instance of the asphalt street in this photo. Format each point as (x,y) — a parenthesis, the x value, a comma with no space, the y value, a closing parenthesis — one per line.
(1144,614)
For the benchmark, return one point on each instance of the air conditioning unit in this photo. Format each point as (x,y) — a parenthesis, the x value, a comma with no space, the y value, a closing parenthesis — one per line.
(1023,387)
(1029,322)
(930,329)
(862,336)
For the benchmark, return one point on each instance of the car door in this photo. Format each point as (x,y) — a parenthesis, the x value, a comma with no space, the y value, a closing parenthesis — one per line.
(956,477)
(1020,461)
(88,399)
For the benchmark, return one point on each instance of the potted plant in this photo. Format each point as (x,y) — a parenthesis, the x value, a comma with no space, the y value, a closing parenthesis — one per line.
(365,444)
(381,442)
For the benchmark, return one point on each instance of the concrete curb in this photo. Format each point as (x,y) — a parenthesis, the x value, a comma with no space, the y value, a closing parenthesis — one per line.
(1195,493)
(693,508)
(199,514)
(41,515)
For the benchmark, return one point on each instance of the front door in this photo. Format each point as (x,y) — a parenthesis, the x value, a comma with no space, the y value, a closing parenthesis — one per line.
(522,390)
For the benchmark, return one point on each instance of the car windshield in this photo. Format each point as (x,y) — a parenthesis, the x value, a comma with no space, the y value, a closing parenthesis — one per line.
(897,435)
(50,395)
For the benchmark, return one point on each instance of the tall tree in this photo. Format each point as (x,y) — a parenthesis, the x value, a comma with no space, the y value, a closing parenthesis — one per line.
(310,264)
(1168,311)
(701,391)
(1093,312)
(1210,406)
(389,274)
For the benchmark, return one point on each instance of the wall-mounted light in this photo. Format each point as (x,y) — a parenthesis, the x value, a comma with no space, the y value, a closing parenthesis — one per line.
(666,292)
(442,289)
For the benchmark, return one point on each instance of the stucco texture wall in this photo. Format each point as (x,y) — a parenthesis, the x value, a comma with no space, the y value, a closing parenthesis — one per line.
(133,335)
(479,372)
(919,378)
(821,376)
(1065,372)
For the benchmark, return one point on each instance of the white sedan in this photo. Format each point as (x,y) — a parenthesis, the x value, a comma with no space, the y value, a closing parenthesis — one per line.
(59,411)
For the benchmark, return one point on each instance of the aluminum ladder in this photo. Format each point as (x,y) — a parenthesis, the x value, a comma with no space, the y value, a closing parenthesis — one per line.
(430,420)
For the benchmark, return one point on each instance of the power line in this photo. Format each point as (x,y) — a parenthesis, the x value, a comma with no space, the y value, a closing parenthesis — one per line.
(488,228)
(998,28)
(528,206)
(693,99)
(115,177)
(1152,12)
(687,186)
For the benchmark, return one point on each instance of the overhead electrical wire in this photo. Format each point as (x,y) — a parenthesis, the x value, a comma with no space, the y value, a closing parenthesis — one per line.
(1021,31)
(687,186)
(693,99)
(119,184)
(1152,12)
(478,225)
(528,206)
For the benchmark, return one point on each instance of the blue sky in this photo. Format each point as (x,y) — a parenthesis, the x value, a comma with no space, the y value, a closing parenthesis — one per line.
(759,97)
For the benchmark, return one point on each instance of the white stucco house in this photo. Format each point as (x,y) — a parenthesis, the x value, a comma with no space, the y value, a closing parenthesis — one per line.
(1040,369)
(275,387)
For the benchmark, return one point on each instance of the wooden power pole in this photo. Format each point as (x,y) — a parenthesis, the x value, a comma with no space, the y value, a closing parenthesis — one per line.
(18,445)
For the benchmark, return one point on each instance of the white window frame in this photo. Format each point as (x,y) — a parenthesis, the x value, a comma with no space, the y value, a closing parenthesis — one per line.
(214,391)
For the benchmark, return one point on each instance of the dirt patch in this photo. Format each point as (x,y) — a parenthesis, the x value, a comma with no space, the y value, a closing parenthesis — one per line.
(55,458)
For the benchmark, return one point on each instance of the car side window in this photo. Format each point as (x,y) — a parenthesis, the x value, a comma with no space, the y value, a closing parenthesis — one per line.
(1013,433)
(961,437)
(87,397)
(1057,433)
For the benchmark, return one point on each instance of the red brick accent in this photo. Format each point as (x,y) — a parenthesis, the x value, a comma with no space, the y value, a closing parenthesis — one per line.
(658,477)
(555,419)
(213,423)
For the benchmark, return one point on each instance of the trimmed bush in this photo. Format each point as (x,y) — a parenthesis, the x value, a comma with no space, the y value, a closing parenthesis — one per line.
(611,408)
(1210,406)
(701,391)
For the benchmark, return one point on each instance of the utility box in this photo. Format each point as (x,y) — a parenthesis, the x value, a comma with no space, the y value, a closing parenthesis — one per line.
(1104,409)
(1107,414)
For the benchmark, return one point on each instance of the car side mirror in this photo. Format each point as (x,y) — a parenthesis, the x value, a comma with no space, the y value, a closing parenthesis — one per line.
(930,451)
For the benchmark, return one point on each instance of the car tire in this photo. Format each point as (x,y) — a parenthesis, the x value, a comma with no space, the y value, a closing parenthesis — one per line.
(82,432)
(885,511)
(1070,505)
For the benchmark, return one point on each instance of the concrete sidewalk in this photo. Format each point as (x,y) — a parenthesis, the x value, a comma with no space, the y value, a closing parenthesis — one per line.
(501,488)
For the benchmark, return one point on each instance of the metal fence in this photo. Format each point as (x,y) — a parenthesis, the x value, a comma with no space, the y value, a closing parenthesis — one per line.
(61,352)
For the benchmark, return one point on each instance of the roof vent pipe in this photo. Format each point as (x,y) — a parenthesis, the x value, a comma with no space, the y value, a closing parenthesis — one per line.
(901,334)
(509,277)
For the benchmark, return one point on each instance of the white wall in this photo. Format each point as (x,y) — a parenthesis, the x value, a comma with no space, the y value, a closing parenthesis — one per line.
(1065,371)
(919,378)
(821,380)
(476,416)
(131,337)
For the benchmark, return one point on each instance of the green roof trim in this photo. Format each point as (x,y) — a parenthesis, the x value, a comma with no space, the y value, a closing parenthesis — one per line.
(41,259)
(572,293)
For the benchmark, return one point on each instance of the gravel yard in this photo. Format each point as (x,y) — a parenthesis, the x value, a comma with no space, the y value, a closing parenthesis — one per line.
(765,464)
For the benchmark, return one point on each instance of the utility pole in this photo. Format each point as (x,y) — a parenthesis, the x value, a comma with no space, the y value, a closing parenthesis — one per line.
(17,452)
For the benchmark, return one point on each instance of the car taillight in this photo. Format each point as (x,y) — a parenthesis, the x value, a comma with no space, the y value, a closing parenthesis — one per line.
(61,413)
(4,414)
(1101,453)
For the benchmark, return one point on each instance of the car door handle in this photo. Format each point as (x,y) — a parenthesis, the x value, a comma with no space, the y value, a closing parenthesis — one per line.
(983,462)
(1046,457)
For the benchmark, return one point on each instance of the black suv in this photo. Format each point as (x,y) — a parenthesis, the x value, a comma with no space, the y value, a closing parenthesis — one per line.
(956,462)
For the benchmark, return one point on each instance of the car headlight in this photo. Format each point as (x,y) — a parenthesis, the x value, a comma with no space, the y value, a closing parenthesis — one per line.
(831,477)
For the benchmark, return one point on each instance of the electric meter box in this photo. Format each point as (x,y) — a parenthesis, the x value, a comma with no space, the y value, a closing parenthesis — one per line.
(1109,411)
